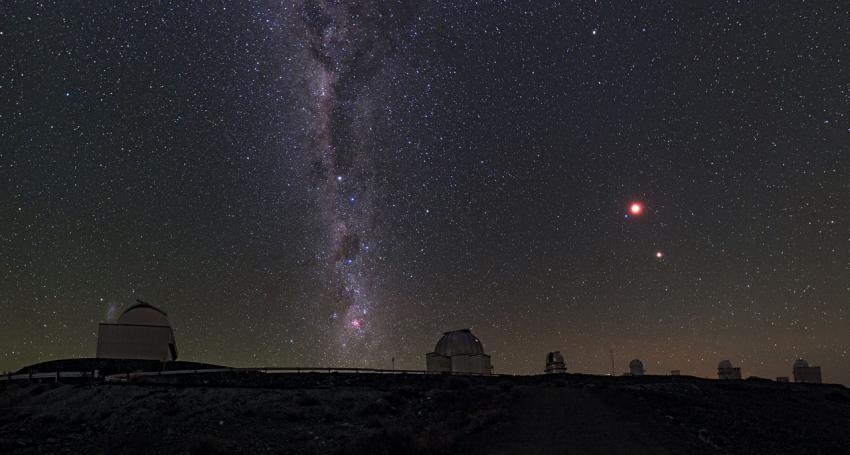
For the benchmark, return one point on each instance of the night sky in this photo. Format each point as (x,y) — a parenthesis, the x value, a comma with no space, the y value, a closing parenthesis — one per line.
(336,184)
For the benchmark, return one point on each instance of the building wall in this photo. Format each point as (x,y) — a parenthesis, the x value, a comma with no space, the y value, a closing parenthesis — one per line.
(808,374)
(481,364)
(477,364)
(729,373)
(119,341)
(437,362)
(555,368)
(462,364)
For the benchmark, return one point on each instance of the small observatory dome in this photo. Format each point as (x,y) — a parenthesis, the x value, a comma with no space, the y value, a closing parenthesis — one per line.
(144,313)
(555,363)
(636,367)
(725,370)
(803,372)
(800,363)
(459,342)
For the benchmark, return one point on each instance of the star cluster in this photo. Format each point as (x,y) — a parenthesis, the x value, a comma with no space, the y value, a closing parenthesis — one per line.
(337,183)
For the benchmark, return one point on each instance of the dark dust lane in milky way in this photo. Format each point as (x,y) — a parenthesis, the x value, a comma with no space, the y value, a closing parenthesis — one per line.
(347,45)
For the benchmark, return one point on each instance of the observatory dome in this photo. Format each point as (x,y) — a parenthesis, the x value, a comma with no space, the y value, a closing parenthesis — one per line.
(142,332)
(801,363)
(459,342)
(555,363)
(459,351)
(636,367)
(144,314)
(724,364)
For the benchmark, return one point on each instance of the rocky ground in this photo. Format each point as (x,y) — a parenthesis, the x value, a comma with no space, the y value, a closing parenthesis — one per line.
(409,414)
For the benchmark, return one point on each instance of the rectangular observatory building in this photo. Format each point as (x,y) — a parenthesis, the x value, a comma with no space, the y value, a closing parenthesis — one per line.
(124,341)
(142,332)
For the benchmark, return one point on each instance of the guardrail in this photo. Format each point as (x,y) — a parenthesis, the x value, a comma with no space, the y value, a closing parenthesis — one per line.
(57,375)
(128,376)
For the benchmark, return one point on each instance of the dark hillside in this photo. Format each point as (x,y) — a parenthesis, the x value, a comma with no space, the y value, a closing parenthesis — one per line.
(390,414)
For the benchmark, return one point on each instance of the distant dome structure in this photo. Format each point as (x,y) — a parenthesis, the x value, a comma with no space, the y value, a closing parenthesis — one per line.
(805,373)
(459,351)
(801,363)
(555,363)
(636,367)
(725,370)
(141,332)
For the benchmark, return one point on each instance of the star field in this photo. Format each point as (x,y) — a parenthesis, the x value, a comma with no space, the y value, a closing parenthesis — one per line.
(338,183)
